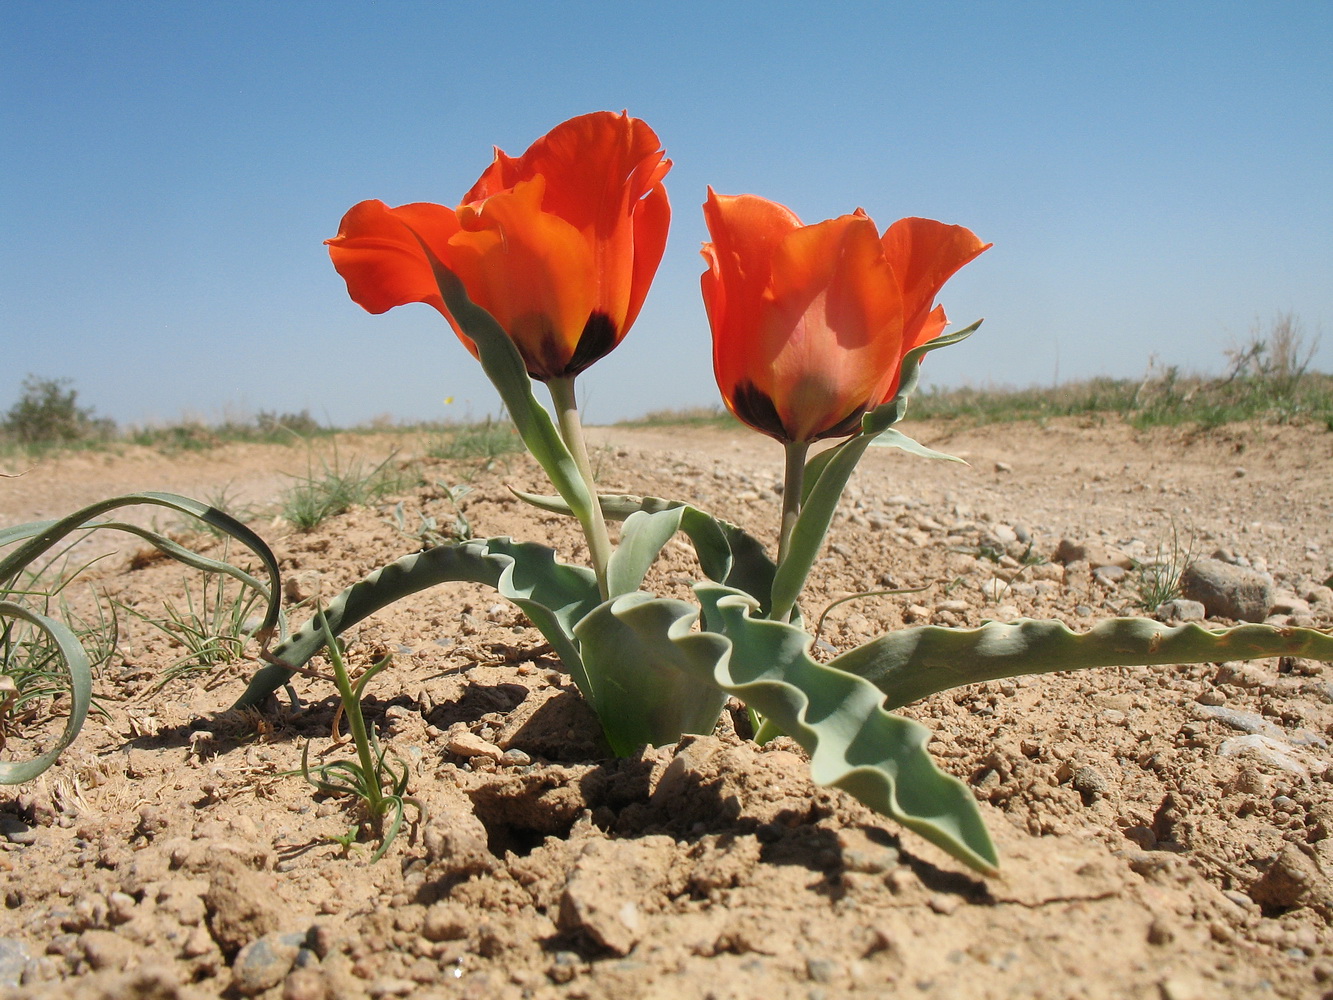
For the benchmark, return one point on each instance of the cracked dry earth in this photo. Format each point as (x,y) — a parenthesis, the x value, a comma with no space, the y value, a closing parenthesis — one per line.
(1166,832)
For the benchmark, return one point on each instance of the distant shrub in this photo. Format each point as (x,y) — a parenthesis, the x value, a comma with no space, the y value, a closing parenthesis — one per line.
(191,435)
(47,412)
(301,424)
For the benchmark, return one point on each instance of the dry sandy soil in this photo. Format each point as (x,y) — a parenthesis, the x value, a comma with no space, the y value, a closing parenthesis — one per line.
(1148,852)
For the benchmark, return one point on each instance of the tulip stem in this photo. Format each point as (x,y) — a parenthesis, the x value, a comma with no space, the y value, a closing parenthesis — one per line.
(793,484)
(594,524)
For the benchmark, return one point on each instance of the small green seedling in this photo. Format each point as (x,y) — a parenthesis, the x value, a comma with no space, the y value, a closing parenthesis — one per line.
(1159,581)
(212,631)
(379,785)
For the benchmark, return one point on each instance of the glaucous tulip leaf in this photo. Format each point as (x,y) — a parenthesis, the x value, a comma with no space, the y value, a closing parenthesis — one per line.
(854,744)
(728,555)
(552,594)
(913,663)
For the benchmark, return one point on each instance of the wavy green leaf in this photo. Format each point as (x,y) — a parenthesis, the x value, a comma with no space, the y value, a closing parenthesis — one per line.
(40,537)
(35,539)
(854,744)
(80,689)
(913,663)
(645,698)
(553,595)
(728,555)
(641,541)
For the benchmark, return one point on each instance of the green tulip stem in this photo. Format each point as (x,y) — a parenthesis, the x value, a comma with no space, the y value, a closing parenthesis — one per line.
(793,485)
(571,430)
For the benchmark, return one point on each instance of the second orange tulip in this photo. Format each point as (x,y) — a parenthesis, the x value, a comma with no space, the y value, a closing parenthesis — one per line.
(811,323)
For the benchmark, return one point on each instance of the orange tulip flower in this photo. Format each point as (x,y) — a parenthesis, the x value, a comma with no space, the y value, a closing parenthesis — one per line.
(559,244)
(811,323)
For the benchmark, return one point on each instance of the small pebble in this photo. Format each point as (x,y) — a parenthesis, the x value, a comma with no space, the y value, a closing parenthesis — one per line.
(16,831)
(392,986)
(1160,932)
(265,962)
(467,744)
(942,904)
(1239,898)
(564,966)
(1089,782)
(13,957)
(305,984)
(821,970)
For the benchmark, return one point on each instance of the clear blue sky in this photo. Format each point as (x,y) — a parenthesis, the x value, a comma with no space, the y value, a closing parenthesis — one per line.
(1154,177)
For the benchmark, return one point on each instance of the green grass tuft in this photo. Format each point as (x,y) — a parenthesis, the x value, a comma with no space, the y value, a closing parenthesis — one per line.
(336,489)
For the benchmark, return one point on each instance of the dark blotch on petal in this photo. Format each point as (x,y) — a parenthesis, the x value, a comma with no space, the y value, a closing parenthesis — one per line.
(756,408)
(550,364)
(596,342)
(845,427)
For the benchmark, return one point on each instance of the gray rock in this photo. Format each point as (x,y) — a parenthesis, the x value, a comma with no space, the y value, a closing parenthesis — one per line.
(1110,574)
(1181,610)
(1273,752)
(1287,603)
(1228,591)
(1094,554)
(1090,783)
(264,963)
(15,830)
(1319,595)
(1246,722)
(13,957)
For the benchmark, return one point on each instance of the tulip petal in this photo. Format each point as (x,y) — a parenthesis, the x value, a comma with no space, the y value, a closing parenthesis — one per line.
(378,253)
(533,272)
(652,219)
(924,255)
(629,164)
(834,324)
(602,179)
(746,231)
(560,244)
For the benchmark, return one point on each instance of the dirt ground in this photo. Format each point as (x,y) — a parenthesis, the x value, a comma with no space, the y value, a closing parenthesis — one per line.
(1165,833)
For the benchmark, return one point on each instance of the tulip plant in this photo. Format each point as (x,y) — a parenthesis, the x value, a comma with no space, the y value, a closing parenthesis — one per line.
(818,335)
